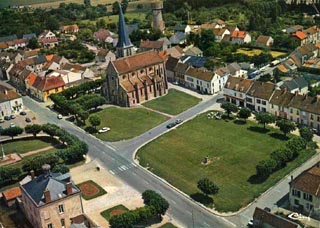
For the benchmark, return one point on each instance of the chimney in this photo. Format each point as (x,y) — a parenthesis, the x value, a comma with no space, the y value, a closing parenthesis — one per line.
(47,196)
(32,174)
(69,188)
(46,170)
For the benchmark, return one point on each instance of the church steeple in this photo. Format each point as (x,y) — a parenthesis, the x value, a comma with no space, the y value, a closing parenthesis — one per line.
(124,46)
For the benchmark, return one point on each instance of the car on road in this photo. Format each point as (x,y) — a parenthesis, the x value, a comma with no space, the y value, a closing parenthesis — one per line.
(171,125)
(12,117)
(250,223)
(28,120)
(7,118)
(23,113)
(59,116)
(12,125)
(179,121)
(104,129)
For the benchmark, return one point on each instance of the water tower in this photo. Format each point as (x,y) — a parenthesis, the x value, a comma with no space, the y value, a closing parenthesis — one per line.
(157,22)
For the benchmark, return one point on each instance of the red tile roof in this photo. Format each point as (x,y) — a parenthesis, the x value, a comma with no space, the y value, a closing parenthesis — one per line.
(300,35)
(149,44)
(238,34)
(138,61)
(49,57)
(12,193)
(31,78)
(48,83)
(47,40)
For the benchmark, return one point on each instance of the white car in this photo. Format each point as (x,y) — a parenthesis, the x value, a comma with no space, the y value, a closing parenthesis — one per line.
(59,116)
(12,125)
(104,129)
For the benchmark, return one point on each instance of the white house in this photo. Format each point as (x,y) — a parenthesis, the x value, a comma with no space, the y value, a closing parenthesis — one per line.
(10,101)
(240,37)
(259,95)
(201,80)
(220,33)
(235,90)
(47,34)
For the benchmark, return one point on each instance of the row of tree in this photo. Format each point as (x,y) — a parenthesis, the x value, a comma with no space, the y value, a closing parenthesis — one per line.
(77,100)
(280,157)
(155,206)
(74,152)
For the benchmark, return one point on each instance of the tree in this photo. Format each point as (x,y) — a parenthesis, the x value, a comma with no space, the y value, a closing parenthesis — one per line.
(33,129)
(38,161)
(285,126)
(207,187)
(266,167)
(12,131)
(244,113)
(265,118)
(33,43)
(306,133)
(94,120)
(62,168)
(50,129)
(9,174)
(229,107)
(296,144)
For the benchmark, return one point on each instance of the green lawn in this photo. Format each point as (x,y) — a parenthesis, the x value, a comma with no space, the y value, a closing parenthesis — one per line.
(168,225)
(127,123)
(85,192)
(234,149)
(173,103)
(24,145)
(107,213)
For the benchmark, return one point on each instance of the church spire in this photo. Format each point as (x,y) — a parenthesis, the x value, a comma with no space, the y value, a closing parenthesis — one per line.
(124,46)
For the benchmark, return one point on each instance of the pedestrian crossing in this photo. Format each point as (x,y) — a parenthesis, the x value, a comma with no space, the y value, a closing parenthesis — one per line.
(122,168)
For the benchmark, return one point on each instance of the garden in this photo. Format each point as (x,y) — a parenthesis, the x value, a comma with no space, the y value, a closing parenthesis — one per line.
(229,152)
(116,210)
(90,190)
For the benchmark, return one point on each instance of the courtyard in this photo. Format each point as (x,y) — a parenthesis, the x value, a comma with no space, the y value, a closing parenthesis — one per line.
(233,148)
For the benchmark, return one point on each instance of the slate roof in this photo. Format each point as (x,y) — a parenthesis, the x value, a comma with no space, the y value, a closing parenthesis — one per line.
(123,39)
(275,221)
(193,51)
(306,103)
(40,59)
(137,61)
(296,83)
(233,68)
(52,182)
(177,38)
(200,74)
(308,181)
(8,38)
(181,67)
(262,90)
(179,27)
(29,36)
(195,61)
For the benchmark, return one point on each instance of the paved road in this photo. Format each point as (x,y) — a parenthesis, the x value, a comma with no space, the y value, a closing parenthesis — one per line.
(118,159)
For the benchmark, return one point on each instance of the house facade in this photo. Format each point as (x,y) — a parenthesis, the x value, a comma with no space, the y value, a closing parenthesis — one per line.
(264,41)
(134,79)
(304,194)
(51,200)
(235,90)
(10,101)
(240,37)
(42,87)
(259,95)
(202,81)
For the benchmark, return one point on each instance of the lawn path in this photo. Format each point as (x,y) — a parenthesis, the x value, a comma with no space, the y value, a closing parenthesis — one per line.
(36,151)
(153,110)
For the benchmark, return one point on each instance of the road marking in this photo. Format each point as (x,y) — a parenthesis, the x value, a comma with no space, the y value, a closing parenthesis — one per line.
(111,172)
(227,221)
(174,202)
(134,164)
(124,167)
(120,168)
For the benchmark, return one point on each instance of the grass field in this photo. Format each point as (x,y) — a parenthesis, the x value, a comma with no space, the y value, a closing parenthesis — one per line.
(173,103)
(252,52)
(21,146)
(127,123)
(107,214)
(234,150)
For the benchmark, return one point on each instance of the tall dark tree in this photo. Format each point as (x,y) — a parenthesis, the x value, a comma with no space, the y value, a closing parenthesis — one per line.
(265,118)
(244,113)
(229,107)
(207,186)
(12,131)
(33,129)
(306,133)
(286,126)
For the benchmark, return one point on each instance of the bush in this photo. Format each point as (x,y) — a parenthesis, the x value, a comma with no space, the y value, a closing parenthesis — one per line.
(38,161)
(296,144)
(266,167)
(9,174)
(62,168)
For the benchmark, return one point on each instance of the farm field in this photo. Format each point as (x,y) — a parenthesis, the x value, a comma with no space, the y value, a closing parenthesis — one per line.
(233,150)
(252,52)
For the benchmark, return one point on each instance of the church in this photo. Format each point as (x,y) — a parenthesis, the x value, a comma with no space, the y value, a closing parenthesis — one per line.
(133,78)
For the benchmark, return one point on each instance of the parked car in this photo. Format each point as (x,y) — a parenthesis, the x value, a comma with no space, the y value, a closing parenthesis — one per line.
(12,125)
(171,125)
(1,120)
(250,223)
(12,117)
(104,129)
(179,121)
(7,118)
(59,116)
(23,113)
(28,120)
